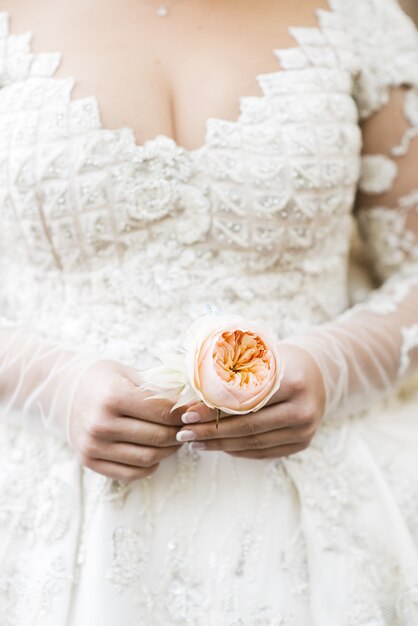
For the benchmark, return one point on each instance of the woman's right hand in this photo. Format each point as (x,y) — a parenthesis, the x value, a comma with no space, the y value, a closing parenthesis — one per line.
(116,428)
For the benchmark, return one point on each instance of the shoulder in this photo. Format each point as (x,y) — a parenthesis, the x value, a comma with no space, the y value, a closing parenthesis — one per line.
(386,44)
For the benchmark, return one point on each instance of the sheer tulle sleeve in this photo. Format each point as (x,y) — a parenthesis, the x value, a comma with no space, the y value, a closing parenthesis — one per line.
(369,349)
(38,380)
(374,346)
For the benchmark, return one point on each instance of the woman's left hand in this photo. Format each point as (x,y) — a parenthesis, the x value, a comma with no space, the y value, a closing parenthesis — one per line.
(283,427)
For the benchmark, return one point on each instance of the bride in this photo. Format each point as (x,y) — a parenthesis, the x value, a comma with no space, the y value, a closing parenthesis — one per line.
(156,158)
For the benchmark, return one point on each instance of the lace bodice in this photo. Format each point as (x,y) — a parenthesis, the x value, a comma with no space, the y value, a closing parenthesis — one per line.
(102,232)
(109,240)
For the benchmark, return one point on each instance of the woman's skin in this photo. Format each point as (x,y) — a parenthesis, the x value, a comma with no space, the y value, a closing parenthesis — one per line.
(411,7)
(163,75)
(168,76)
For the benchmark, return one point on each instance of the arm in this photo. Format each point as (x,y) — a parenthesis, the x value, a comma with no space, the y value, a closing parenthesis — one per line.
(371,348)
(38,380)
(93,403)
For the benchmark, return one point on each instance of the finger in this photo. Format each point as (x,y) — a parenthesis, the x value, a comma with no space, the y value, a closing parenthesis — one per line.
(134,402)
(294,381)
(198,412)
(204,413)
(270,453)
(276,416)
(130,430)
(135,456)
(272,439)
(117,471)
(139,405)
(285,392)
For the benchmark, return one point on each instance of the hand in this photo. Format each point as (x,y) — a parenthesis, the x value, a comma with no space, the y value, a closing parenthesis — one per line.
(284,427)
(118,430)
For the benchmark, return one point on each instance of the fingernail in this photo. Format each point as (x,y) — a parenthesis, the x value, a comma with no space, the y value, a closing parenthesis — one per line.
(191,417)
(198,445)
(185,435)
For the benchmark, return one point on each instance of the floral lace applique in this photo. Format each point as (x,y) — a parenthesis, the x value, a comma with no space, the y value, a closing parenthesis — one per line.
(391,244)
(411,115)
(130,557)
(409,343)
(45,501)
(27,596)
(378,174)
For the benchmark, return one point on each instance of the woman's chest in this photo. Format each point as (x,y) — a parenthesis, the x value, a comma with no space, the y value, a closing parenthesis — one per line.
(268,185)
(164,75)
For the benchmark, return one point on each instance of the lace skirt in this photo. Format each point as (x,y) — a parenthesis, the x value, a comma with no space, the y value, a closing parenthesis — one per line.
(327,537)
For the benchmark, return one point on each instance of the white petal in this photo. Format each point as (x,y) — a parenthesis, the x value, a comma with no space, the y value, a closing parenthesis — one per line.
(164,377)
(187,396)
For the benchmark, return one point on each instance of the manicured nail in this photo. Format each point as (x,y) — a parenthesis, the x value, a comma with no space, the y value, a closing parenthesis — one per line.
(198,445)
(191,417)
(185,435)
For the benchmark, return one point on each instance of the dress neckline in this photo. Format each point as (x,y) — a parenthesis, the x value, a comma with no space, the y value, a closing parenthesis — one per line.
(57,56)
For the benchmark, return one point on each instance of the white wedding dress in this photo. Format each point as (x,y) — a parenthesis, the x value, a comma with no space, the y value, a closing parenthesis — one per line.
(113,247)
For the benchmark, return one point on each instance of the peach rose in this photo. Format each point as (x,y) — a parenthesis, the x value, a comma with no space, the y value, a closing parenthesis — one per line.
(232,363)
(229,363)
